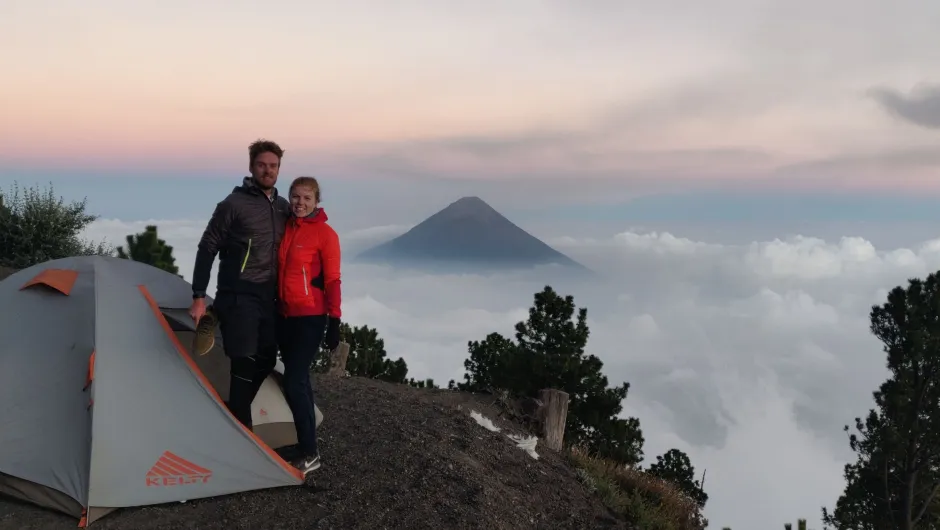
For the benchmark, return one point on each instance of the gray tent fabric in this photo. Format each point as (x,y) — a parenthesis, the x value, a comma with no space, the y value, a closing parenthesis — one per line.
(104,407)
(46,340)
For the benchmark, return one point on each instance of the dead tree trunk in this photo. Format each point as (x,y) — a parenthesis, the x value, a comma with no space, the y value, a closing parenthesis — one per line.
(338,360)
(553,416)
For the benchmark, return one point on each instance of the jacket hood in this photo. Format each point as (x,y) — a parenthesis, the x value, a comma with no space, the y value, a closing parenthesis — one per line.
(251,187)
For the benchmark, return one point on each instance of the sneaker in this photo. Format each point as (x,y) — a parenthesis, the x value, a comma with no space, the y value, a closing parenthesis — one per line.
(308,464)
(205,332)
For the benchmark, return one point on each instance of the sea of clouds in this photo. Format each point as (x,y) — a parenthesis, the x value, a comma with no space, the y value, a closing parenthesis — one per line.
(750,358)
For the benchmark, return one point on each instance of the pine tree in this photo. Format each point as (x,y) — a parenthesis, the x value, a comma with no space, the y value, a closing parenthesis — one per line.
(675,466)
(549,352)
(418,383)
(147,247)
(895,481)
(367,356)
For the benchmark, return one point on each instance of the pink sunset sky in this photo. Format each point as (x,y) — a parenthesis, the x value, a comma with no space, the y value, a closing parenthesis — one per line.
(798,93)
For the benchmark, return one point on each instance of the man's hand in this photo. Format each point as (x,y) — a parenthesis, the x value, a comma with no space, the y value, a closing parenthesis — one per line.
(198,309)
(331,341)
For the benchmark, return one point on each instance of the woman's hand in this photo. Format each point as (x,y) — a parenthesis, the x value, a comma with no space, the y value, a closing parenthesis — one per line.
(331,341)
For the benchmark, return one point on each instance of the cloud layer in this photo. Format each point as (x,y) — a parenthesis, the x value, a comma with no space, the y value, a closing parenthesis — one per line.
(749,357)
(920,107)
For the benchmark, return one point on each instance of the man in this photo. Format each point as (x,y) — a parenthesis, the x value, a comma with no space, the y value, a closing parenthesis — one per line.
(245,230)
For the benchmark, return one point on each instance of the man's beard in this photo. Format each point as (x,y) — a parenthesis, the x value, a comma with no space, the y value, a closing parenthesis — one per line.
(261,185)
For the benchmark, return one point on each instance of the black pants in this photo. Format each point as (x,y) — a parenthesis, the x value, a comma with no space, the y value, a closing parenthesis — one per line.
(300,339)
(249,334)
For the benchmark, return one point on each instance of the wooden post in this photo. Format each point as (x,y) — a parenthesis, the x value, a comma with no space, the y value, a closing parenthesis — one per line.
(338,360)
(553,416)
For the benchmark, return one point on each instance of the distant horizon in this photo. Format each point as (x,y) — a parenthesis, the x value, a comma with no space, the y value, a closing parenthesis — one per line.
(673,205)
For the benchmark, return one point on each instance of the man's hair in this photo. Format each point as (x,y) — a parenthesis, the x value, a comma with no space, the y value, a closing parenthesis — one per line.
(263,146)
(306,182)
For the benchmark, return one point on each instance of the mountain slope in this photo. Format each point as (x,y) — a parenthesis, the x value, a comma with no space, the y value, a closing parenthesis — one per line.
(393,457)
(468,232)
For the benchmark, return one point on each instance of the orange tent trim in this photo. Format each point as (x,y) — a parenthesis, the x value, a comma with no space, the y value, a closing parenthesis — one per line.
(91,370)
(61,280)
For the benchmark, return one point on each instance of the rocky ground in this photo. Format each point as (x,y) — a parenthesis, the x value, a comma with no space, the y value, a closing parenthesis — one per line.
(394,457)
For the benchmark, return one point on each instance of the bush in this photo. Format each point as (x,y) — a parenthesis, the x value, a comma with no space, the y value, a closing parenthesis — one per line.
(6,271)
(639,497)
(36,227)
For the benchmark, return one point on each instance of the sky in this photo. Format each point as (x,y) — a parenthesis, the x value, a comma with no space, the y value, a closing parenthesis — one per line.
(750,176)
(643,96)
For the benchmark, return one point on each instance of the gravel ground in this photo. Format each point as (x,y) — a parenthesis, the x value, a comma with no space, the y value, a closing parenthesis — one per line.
(394,457)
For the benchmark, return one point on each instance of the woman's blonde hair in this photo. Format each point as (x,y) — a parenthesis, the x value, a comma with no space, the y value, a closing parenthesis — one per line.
(306,182)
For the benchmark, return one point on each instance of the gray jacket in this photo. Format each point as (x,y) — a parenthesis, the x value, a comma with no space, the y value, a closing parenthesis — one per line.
(245,230)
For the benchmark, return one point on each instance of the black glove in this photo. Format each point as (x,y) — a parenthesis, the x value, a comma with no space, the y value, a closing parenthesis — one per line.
(331,341)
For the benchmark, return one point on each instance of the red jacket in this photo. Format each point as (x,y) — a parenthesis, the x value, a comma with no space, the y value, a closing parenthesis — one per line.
(308,268)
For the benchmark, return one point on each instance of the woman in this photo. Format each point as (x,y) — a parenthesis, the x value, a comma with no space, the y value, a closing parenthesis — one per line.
(309,297)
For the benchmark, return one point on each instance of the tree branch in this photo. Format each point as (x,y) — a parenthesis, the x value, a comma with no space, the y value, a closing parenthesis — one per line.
(912,423)
(917,404)
(927,502)
(887,489)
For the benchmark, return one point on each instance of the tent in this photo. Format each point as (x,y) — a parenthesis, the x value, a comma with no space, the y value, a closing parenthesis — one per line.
(103,407)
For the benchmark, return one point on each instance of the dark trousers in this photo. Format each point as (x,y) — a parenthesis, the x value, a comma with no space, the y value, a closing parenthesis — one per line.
(249,334)
(300,339)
